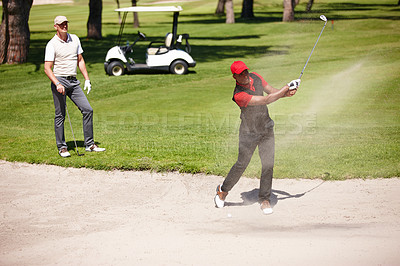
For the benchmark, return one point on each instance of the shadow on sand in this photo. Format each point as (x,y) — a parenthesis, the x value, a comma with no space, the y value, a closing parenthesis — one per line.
(251,197)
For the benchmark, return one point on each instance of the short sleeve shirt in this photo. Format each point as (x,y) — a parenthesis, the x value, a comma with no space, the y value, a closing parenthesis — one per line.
(242,98)
(64,54)
(255,119)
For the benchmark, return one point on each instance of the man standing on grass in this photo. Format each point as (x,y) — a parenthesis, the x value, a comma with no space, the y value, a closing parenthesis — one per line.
(256,129)
(64,52)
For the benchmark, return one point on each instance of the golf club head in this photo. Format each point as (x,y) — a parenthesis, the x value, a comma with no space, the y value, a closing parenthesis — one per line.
(323,18)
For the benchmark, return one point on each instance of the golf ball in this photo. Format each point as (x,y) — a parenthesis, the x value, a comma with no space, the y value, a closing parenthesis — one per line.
(229,215)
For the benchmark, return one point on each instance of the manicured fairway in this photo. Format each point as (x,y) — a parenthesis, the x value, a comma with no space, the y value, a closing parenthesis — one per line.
(344,121)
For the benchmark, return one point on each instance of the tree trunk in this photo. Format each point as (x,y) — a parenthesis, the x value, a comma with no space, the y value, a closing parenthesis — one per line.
(14,31)
(94,21)
(135,15)
(247,9)
(220,8)
(230,14)
(311,2)
(288,10)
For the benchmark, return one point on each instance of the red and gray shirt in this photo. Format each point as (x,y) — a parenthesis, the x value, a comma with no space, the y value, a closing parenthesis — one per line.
(255,119)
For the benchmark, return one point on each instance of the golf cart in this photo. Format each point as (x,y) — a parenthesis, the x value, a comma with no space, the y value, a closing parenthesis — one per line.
(166,57)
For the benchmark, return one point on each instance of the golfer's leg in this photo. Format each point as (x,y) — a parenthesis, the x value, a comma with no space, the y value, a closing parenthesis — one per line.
(266,150)
(59,106)
(247,145)
(80,100)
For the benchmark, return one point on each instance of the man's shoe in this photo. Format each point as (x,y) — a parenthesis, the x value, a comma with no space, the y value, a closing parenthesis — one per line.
(95,148)
(64,153)
(220,197)
(266,207)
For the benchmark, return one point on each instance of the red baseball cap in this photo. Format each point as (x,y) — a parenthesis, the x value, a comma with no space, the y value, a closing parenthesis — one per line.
(238,67)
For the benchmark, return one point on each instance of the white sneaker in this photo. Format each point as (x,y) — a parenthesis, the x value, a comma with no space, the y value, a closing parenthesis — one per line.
(95,148)
(64,153)
(266,207)
(219,199)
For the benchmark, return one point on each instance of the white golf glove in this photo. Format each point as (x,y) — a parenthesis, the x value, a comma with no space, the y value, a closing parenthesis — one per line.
(294,84)
(88,86)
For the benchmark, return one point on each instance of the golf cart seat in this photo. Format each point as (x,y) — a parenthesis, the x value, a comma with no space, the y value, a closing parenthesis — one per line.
(163,48)
(179,41)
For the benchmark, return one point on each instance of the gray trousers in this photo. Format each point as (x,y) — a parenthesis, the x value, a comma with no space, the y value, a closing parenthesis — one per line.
(75,93)
(266,149)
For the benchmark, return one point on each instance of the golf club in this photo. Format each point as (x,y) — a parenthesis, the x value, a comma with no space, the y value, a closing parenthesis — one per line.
(76,146)
(323,18)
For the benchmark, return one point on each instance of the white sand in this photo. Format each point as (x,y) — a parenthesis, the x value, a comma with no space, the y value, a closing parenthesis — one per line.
(64,216)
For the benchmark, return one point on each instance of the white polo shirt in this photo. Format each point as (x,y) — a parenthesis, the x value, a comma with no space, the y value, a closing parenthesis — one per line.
(64,54)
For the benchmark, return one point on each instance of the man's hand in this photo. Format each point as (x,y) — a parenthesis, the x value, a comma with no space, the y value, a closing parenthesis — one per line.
(60,88)
(88,86)
(294,84)
(290,93)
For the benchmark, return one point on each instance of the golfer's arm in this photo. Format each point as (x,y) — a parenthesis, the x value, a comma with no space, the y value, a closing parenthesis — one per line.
(269,89)
(82,67)
(270,98)
(48,66)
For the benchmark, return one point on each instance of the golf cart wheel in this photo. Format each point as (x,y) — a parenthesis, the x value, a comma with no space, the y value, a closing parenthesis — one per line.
(116,68)
(179,67)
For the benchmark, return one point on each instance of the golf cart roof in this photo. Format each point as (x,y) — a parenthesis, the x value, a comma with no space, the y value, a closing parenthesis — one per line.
(150,9)
(126,10)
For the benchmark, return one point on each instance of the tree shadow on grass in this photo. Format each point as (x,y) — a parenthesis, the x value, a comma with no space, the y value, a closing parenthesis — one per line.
(95,50)
(391,12)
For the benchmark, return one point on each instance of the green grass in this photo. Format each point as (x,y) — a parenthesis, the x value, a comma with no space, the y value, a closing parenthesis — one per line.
(344,121)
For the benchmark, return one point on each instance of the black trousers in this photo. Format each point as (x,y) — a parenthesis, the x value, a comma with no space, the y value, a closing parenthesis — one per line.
(266,149)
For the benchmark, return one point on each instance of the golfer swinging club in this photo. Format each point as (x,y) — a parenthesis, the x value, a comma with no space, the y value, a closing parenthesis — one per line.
(256,129)
(64,52)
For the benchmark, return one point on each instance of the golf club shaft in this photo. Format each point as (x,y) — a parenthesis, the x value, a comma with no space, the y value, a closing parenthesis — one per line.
(66,109)
(301,74)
